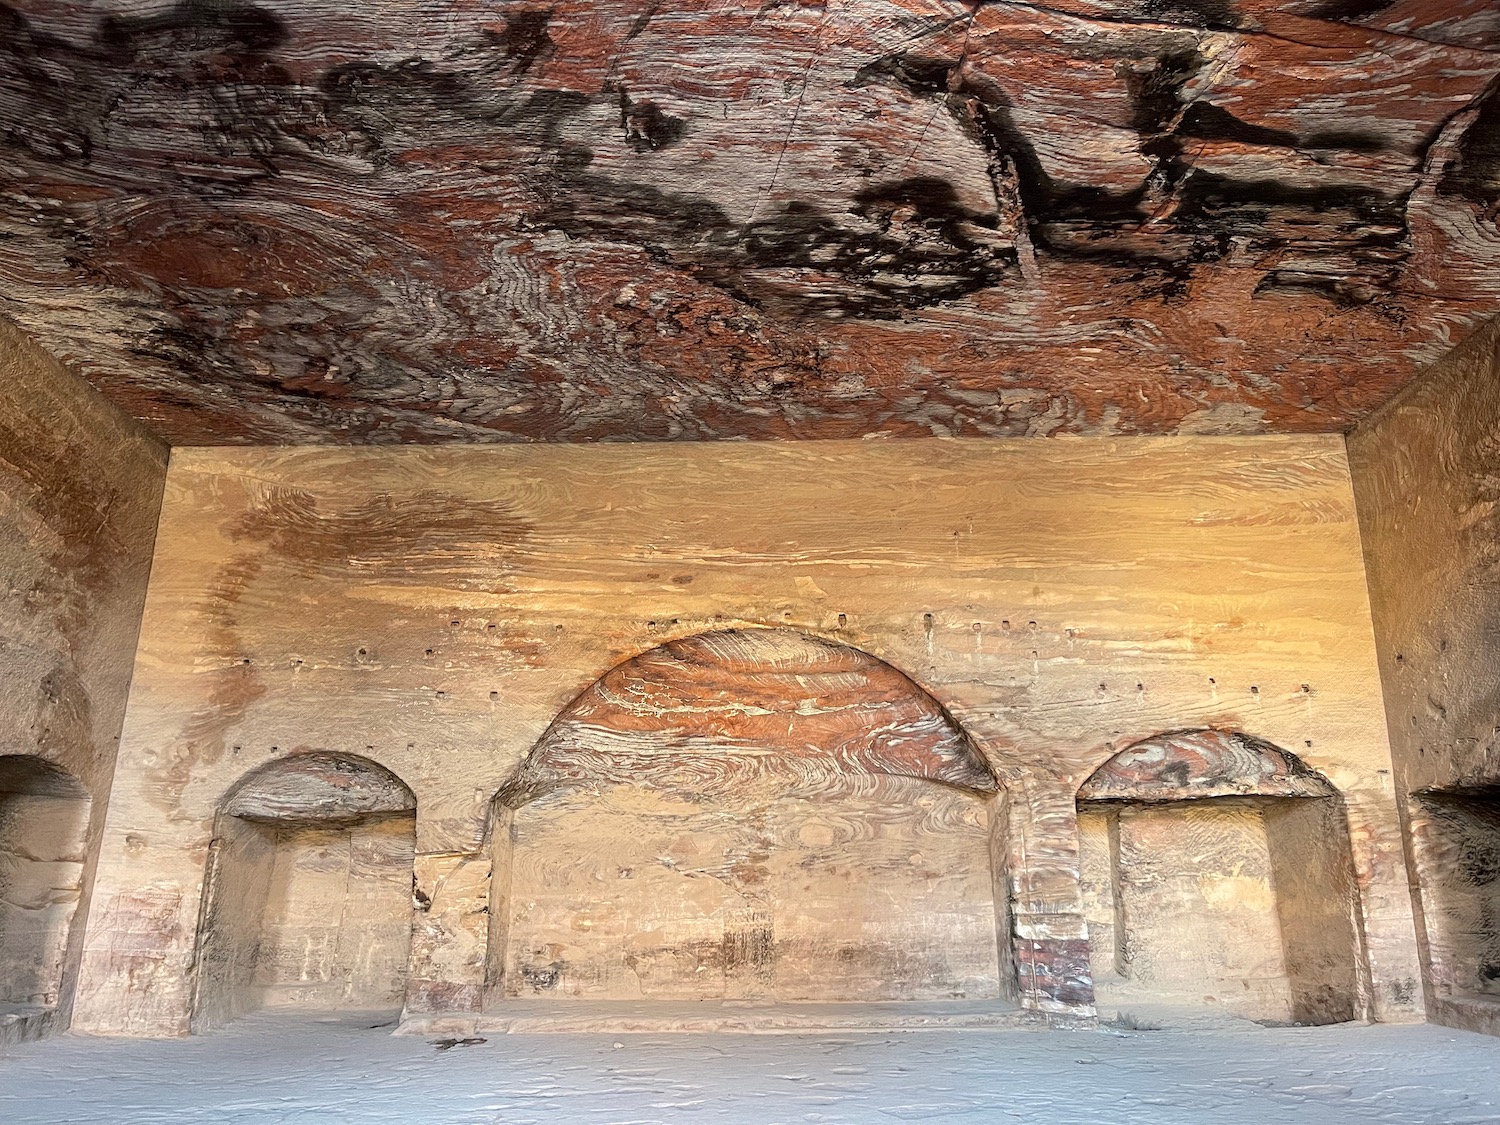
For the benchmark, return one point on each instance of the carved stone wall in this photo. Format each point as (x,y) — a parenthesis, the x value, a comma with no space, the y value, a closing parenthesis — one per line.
(80,486)
(1456,844)
(862,889)
(751,813)
(1216,869)
(307,897)
(437,611)
(44,815)
(1427,475)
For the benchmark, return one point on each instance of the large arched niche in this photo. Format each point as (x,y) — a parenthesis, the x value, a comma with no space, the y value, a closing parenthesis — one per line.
(1216,868)
(44,816)
(308,894)
(750,813)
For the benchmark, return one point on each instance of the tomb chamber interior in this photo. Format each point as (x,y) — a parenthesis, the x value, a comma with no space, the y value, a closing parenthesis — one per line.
(982,506)
(44,813)
(1216,870)
(752,814)
(818,761)
(308,898)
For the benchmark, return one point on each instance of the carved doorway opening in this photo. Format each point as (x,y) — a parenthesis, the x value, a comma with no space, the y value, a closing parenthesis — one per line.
(750,815)
(308,894)
(1216,870)
(44,816)
(1456,842)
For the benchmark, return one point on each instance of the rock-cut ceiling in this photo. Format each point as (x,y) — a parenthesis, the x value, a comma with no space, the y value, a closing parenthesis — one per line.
(316,220)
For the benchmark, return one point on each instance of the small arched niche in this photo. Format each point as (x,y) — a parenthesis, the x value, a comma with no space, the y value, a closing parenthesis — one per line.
(308,893)
(1456,844)
(44,816)
(1216,869)
(752,813)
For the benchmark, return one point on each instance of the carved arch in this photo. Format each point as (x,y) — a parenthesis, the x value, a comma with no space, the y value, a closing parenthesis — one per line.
(44,819)
(1216,864)
(701,711)
(307,891)
(771,732)
(322,785)
(1186,764)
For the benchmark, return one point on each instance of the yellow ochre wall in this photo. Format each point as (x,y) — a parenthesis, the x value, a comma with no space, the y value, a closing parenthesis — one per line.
(433,609)
(1427,475)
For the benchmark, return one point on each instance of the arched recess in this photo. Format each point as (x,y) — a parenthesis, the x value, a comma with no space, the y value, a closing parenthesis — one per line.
(308,894)
(44,816)
(1216,868)
(750,813)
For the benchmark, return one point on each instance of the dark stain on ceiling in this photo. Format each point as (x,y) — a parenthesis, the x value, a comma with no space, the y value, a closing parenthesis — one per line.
(315,221)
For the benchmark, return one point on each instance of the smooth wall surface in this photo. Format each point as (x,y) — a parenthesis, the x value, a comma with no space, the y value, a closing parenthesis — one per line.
(80,486)
(1427,475)
(434,610)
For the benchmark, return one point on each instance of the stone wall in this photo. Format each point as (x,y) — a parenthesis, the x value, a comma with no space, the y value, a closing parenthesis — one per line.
(436,610)
(873,889)
(80,487)
(1427,476)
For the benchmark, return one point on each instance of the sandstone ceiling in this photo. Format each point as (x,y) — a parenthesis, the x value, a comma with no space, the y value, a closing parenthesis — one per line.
(316,220)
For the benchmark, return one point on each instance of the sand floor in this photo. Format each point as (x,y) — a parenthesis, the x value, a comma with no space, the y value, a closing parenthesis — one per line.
(299,1069)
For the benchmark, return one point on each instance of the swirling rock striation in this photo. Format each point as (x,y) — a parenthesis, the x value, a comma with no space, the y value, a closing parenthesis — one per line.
(606,219)
(716,712)
(1186,764)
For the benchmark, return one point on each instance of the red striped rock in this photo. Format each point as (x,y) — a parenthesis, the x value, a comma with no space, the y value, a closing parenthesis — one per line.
(1187,764)
(299,222)
(718,711)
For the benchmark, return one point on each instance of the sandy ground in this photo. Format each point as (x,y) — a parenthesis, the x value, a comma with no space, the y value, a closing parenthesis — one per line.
(299,1070)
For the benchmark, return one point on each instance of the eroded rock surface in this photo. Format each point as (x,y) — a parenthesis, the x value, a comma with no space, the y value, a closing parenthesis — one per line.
(721,711)
(297,221)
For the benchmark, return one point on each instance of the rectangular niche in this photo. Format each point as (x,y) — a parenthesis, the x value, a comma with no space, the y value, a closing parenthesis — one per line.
(1239,903)
(337,928)
(879,888)
(307,915)
(1456,838)
(44,816)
